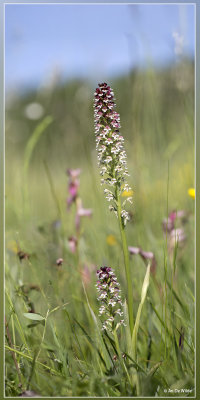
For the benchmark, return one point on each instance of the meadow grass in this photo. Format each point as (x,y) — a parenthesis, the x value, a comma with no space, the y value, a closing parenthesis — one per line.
(59,349)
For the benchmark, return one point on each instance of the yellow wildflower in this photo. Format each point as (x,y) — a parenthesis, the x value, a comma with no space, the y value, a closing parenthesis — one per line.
(191,192)
(127,193)
(111,240)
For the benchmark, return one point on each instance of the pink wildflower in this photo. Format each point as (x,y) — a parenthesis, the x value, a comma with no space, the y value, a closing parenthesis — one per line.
(73,185)
(72,242)
(81,212)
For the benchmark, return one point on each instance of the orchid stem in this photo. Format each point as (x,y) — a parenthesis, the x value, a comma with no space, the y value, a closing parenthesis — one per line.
(126,262)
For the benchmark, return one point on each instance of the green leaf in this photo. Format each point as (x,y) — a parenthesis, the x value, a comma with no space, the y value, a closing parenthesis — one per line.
(35,323)
(137,321)
(154,368)
(127,329)
(32,142)
(34,317)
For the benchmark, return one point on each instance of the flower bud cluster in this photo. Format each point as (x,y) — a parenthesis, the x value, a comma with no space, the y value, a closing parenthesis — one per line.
(110,146)
(109,296)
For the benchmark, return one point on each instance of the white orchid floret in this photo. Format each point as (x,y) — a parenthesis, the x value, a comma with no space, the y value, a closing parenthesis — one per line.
(104,285)
(112,302)
(125,215)
(108,159)
(112,181)
(108,192)
(129,200)
(119,312)
(102,296)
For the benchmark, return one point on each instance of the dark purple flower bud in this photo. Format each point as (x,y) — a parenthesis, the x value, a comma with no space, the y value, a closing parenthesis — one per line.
(59,261)
(22,255)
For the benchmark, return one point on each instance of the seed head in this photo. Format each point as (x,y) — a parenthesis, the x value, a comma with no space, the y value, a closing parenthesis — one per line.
(110,147)
(109,297)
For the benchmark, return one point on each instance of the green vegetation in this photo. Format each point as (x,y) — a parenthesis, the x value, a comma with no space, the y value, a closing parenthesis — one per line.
(54,343)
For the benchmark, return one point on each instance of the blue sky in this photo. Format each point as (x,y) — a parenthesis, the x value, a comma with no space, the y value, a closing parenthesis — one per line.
(93,41)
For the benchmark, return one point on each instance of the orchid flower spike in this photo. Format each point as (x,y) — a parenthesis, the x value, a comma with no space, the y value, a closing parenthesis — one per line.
(110,299)
(110,148)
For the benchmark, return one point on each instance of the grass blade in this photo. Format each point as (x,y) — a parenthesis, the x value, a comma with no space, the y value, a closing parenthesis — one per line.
(137,321)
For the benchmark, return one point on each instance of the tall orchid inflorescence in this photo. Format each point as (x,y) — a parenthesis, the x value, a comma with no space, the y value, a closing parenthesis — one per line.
(110,147)
(110,299)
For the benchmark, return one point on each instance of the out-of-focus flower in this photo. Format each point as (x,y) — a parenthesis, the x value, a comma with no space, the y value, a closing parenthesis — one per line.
(127,193)
(169,223)
(110,299)
(110,147)
(177,236)
(191,192)
(73,188)
(73,185)
(59,261)
(23,256)
(146,255)
(34,111)
(111,240)
(72,242)
(81,212)
(134,250)
(73,173)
